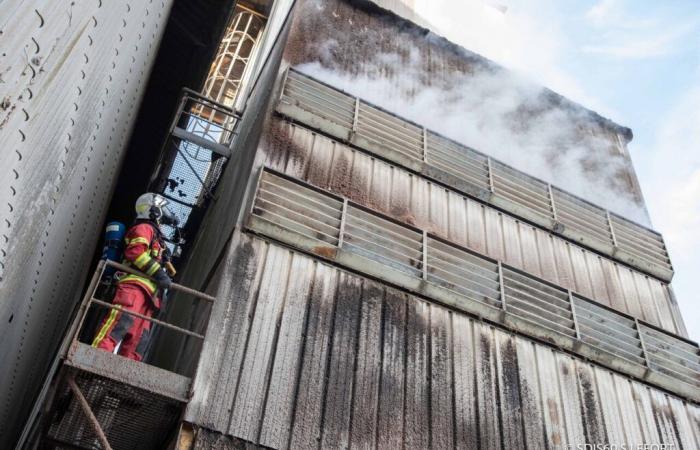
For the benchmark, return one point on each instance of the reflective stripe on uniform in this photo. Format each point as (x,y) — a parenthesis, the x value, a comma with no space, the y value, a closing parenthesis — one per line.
(105,328)
(143,259)
(152,267)
(148,284)
(138,240)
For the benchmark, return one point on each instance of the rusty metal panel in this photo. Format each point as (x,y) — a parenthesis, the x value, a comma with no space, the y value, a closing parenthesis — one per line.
(463,273)
(678,359)
(581,216)
(411,199)
(401,141)
(538,302)
(403,371)
(606,330)
(73,76)
(460,161)
(278,409)
(365,404)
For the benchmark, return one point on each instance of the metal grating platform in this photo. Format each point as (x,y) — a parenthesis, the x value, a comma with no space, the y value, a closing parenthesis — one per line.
(131,418)
(99,399)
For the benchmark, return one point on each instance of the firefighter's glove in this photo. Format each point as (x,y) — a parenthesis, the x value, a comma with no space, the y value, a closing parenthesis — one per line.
(162,279)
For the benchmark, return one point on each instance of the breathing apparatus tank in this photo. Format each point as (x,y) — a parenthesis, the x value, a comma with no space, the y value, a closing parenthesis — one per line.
(113,245)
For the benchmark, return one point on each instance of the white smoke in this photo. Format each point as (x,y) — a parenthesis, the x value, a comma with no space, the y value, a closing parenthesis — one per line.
(478,111)
(488,110)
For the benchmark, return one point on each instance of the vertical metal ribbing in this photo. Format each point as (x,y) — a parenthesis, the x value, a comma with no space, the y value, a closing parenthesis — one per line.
(356,116)
(425,255)
(343,215)
(501,286)
(551,202)
(425,144)
(641,342)
(489,172)
(573,314)
(612,230)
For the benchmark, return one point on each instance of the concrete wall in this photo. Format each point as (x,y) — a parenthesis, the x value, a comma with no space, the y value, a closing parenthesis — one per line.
(304,355)
(73,74)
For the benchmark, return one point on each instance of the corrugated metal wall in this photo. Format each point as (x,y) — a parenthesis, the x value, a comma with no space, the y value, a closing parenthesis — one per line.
(309,156)
(73,73)
(304,355)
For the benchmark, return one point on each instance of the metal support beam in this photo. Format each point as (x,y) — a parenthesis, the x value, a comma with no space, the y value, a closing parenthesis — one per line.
(343,216)
(573,314)
(612,230)
(501,286)
(425,255)
(356,115)
(202,142)
(551,202)
(641,341)
(85,406)
(489,169)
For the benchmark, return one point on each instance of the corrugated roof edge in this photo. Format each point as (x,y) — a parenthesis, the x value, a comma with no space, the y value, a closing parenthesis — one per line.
(556,99)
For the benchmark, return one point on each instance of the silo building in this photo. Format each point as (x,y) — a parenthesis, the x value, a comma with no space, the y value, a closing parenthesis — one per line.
(390,241)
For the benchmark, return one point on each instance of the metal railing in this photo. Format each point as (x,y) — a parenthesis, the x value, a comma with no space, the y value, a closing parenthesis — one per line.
(332,227)
(204,122)
(90,299)
(366,126)
(115,398)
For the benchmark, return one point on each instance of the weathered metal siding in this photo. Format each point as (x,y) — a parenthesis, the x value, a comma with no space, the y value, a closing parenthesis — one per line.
(301,153)
(403,61)
(304,355)
(73,73)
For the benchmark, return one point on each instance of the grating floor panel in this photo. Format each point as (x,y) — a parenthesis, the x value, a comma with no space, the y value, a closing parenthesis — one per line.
(131,418)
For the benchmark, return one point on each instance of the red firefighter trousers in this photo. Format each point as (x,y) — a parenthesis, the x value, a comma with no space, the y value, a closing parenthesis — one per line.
(131,331)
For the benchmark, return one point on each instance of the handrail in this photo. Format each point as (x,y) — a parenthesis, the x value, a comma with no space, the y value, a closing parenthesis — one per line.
(174,286)
(90,299)
(205,99)
(147,318)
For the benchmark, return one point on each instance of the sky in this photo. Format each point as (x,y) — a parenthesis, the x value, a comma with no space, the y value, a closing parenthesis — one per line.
(636,62)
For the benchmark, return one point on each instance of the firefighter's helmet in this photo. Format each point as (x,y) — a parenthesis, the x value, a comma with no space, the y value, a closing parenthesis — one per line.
(154,207)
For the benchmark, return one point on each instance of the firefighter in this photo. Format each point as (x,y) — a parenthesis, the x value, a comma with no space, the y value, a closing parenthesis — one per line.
(145,251)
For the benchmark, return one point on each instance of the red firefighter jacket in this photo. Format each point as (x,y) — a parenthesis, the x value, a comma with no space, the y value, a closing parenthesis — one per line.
(143,250)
